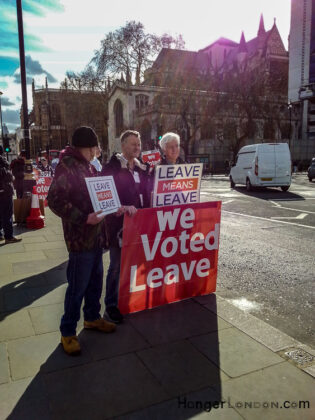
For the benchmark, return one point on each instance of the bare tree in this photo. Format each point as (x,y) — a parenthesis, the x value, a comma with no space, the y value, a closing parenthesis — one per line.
(130,51)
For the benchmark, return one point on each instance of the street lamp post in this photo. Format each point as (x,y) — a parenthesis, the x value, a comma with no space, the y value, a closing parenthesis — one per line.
(29,181)
(290,129)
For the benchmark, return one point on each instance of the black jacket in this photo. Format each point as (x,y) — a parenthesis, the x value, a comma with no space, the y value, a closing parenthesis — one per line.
(17,166)
(6,179)
(130,193)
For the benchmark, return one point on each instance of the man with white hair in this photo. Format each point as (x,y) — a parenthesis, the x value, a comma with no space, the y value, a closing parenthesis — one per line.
(170,145)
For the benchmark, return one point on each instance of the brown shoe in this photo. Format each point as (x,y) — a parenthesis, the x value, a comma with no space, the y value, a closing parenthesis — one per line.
(13,240)
(100,325)
(71,345)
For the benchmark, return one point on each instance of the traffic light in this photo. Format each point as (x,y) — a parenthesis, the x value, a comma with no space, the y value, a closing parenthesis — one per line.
(6,144)
(159,132)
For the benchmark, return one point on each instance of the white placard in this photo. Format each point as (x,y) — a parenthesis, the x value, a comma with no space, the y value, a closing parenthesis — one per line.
(177,184)
(103,194)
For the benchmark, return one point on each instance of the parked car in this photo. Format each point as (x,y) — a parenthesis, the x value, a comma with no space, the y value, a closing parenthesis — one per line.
(311,170)
(262,165)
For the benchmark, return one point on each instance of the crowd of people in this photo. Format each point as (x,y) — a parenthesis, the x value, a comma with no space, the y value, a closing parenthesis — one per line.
(87,232)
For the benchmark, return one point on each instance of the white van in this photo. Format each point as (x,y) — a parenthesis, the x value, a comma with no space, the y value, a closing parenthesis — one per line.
(262,165)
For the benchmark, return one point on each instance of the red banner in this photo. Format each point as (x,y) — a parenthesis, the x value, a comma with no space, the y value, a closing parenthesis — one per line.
(152,157)
(169,254)
(43,182)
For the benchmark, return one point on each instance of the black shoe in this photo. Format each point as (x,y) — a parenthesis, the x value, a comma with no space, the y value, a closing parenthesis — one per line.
(13,240)
(114,315)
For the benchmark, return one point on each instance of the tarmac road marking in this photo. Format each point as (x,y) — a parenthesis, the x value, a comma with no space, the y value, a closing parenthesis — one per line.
(288,208)
(269,220)
(299,216)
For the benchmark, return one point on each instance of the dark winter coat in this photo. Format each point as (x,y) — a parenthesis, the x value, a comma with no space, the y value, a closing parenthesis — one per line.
(69,199)
(17,168)
(129,194)
(6,179)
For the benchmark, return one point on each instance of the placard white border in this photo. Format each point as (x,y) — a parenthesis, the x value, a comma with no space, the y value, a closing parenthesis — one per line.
(93,196)
(157,179)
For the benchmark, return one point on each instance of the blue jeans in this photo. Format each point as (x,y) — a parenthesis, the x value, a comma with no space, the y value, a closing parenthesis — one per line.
(85,280)
(112,278)
(6,215)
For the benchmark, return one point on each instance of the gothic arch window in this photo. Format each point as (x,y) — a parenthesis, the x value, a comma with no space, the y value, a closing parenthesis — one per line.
(55,114)
(44,115)
(142,101)
(119,117)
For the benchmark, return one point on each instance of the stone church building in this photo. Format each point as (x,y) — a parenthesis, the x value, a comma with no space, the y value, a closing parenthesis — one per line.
(211,122)
(58,112)
(138,107)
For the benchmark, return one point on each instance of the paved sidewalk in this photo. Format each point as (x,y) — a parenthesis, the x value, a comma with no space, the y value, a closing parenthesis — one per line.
(171,362)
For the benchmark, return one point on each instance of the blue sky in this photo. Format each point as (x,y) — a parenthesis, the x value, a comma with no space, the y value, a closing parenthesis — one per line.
(61,35)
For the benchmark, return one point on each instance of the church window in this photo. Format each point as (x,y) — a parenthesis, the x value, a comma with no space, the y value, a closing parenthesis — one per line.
(55,115)
(119,118)
(142,101)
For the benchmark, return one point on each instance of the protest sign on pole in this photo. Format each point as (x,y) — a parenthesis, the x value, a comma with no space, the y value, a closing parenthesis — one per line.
(177,184)
(103,194)
(152,157)
(169,254)
(43,182)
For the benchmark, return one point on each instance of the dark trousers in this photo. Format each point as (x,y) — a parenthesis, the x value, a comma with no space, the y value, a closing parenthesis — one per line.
(18,184)
(85,280)
(6,215)
(112,278)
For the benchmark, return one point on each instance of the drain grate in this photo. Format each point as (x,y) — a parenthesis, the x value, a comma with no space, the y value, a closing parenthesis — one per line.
(299,357)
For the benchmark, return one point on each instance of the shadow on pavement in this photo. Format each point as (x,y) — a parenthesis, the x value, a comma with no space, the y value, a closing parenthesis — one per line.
(270,194)
(21,293)
(159,364)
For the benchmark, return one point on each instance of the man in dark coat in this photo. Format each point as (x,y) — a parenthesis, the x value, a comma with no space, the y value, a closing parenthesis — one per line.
(6,201)
(17,166)
(84,234)
(131,180)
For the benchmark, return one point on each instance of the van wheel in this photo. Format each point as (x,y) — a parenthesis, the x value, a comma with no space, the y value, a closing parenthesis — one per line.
(285,188)
(248,185)
(310,179)
(232,182)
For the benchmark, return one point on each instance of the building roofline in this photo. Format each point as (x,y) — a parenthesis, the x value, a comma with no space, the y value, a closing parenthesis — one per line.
(83,91)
